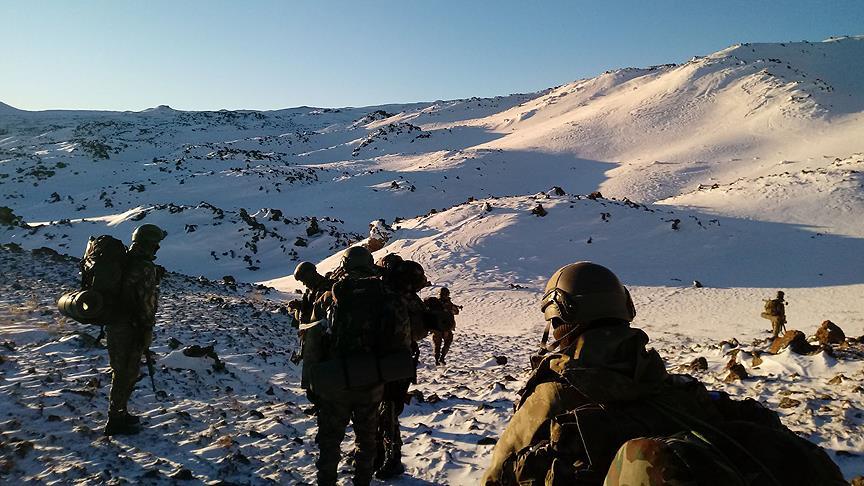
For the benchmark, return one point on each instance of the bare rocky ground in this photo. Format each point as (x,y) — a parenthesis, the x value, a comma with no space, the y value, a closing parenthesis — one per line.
(245,421)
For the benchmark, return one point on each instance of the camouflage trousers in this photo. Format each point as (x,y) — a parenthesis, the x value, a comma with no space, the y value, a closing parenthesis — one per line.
(778,325)
(333,418)
(126,346)
(441,341)
(389,441)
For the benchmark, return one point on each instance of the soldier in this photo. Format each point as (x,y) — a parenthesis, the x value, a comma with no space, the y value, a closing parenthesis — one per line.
(316,284)
(130,330)
(775,311)
(596,387)
(367,318)
(406,278)
(443,337)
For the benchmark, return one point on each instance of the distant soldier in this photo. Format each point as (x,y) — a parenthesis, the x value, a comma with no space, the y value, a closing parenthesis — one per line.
(406,278)
(316,284)
(442,335)
(130,328)
(775,311)
(365,320)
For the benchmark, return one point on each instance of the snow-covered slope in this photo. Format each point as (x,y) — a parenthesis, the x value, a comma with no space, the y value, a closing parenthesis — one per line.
(741,170)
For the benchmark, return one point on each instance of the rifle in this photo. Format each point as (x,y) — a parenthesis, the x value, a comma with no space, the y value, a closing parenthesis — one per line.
(150,369)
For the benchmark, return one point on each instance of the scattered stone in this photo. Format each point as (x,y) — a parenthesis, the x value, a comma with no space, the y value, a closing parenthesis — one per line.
(487,207)
(300,241)
(487,441)
(837,380)
(270,391)
(182,474)
(556,190)
(509,378)
(794,340)
(830,333)
(501,360)
(697,284)
(757,359)
(787,402)
(433,398)
(174,343)
(229,280)
(298,440)
(595,195)
(539,210)
(737,372)
(698,364)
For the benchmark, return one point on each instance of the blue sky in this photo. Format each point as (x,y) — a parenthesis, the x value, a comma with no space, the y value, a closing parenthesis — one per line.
(197,55)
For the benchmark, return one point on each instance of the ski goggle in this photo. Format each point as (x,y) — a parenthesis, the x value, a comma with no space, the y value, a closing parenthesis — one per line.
(565,305)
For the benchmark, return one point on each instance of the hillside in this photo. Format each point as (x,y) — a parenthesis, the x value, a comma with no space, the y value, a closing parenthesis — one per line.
(740,170)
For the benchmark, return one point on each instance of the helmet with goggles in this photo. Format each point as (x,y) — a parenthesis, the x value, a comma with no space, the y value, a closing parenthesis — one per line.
(582,292)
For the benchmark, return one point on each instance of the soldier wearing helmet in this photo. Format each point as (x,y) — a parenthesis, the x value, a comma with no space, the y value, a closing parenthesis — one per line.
(316,284)
(406,278)
(588,313)
(775,311)
(130,330)
(595,387)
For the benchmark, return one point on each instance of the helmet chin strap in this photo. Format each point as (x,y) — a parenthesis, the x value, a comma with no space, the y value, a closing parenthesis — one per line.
(554,345)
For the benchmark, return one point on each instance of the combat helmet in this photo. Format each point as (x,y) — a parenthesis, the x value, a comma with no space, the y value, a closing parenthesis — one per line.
(390,261)
(444,292)
(357,258)
(305,271)
(410,276)
(148,233)
(582,292)
(780,295)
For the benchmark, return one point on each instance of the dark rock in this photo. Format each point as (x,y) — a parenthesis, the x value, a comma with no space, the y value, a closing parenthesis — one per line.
(837,380)
(830,333)
(182,474)
(787,402)
(487,441)
(174,343)
(151,474)
(697,284)
(501,360)
(433,398)
(270,391)
(737,372)
(595,195)
(558,191)
(794,340)
(698,364)
(539,210)
(757,359)
(229,280)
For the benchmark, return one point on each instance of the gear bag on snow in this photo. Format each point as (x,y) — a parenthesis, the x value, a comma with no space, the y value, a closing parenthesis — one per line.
(366,343)
(101,280)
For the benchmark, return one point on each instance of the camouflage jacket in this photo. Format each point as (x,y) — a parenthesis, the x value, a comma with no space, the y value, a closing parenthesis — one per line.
(140,290)
(605,364)
(449,306)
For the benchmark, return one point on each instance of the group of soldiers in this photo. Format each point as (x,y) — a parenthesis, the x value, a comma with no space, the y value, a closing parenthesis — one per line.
(597,408)
(373,409)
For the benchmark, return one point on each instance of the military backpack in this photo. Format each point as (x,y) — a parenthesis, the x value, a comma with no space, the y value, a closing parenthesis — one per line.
(101,281)
(367,338)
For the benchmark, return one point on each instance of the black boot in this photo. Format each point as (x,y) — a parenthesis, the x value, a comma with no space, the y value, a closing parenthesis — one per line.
(392,466)
(131,419)
(118,424)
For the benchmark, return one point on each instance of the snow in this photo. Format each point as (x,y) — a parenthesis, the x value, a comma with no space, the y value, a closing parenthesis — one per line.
(741,169)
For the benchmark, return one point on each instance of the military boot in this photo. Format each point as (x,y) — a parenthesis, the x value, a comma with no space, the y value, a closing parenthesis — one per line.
(392,466)
(131,419)
(118,424)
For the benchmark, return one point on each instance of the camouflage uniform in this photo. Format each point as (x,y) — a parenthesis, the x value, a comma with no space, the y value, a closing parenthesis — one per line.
(358,405)
(442,338)
(775,311)
(131,331)
(389,433)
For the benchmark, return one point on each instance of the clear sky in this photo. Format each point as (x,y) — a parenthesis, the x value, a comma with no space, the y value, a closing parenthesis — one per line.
(200,55)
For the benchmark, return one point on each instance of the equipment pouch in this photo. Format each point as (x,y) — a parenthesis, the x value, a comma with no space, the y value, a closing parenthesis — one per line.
(359,370)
